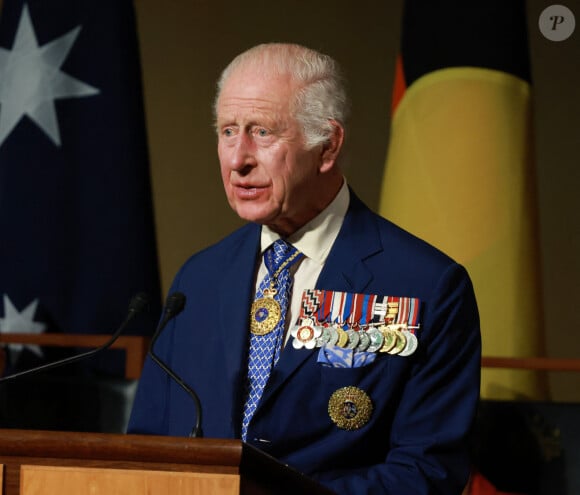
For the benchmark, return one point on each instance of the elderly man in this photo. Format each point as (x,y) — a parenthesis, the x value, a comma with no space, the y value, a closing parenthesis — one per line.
(319,332)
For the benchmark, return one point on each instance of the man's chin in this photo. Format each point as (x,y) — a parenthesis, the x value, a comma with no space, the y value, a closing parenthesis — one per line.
(254,215)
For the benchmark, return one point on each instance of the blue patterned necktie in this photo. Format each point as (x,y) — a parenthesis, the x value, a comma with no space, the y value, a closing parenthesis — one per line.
(265,349)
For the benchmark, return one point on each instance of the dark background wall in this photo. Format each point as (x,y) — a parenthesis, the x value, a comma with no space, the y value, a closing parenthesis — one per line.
(186,43)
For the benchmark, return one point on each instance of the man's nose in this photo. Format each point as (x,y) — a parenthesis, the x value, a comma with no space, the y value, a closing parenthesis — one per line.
(243,155)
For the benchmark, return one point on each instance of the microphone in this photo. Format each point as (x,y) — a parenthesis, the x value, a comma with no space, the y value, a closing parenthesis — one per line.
(136,306)
(173,306)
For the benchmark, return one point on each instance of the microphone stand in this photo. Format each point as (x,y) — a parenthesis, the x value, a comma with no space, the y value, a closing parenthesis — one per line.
(174,305)
(136,306)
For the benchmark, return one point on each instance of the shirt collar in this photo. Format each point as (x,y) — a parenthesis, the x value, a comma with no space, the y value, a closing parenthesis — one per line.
(315,238)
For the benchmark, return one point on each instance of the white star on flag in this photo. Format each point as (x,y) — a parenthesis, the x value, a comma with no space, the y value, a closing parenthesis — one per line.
(31,79)
(21,322)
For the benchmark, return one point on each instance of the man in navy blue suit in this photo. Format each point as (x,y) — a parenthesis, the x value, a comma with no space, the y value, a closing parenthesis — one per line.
(319,332)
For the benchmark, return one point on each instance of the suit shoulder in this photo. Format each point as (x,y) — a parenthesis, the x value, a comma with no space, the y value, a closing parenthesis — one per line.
(393,238)
(398,238)
(224,251)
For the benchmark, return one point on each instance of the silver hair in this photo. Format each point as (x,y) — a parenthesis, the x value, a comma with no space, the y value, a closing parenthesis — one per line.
(321,95)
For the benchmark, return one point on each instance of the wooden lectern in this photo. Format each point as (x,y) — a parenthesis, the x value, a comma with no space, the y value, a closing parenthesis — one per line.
(67,463)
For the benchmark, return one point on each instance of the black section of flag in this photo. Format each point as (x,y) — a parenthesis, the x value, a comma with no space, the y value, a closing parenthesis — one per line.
(456,33)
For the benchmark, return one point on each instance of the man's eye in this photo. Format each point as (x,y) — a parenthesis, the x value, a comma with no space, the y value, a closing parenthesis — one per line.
(228,132)
(262,132)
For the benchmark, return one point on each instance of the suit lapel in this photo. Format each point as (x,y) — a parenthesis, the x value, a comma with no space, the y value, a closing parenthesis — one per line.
(344,270)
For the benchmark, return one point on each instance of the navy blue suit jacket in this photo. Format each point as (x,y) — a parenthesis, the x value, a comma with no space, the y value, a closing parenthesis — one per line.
(424,404)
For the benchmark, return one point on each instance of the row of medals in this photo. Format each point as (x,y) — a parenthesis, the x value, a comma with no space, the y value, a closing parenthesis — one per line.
(393,338)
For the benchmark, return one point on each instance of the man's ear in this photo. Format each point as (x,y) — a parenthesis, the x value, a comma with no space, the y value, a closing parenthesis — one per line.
(331,149)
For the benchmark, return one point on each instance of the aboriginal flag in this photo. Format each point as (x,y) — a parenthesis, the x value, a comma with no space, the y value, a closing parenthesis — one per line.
(460,168)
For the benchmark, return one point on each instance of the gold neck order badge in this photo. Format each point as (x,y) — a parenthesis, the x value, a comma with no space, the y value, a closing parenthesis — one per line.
(266,312)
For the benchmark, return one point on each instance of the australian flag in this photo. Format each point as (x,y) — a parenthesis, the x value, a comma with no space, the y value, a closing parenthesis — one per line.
(77,235)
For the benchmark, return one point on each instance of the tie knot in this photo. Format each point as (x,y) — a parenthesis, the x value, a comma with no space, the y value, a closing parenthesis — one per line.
(280,255)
